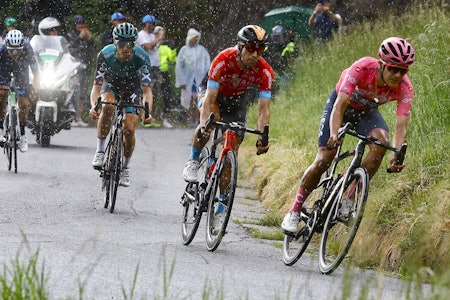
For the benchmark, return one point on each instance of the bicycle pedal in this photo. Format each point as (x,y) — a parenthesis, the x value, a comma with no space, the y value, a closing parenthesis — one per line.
(290,234)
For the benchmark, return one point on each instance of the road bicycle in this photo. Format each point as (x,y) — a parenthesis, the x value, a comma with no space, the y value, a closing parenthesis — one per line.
(113,160)
(338,212)
(217,175)
(11,127)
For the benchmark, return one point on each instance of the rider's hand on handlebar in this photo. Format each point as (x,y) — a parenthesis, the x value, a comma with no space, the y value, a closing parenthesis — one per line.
(393,165)
(260,149)
(94,114)
(333,142)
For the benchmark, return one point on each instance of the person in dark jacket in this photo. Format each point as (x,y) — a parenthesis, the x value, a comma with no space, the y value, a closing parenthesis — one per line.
(82,47)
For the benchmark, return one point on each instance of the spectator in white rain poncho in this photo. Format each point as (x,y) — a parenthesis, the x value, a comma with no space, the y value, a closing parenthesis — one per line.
(191,67)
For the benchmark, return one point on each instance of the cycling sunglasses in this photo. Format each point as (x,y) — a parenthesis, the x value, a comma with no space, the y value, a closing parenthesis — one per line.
(252,47)
(123,44)
(395,69)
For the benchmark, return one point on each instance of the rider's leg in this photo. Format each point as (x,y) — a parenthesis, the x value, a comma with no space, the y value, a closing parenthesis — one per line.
(130,121)
(3,102)
(375,156)
(312,175)
(105,121)
(23,113)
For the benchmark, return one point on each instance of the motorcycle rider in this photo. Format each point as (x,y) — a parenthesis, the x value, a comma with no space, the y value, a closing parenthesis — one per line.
(49,26)
(16,56)
(123,69)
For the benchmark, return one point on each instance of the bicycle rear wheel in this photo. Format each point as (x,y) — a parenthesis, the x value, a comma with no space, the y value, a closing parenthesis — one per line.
(116,167)
(216,223)
(340,230)
(294,245)
(193,201)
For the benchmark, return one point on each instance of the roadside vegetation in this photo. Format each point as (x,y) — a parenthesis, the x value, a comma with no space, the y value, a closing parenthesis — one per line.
(406,226)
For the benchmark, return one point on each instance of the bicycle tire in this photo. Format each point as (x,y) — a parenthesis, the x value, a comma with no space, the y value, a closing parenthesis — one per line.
(339,232)
(14,136)
(294,245)
(193,201)
(106,172)
(116,167)
(214,235)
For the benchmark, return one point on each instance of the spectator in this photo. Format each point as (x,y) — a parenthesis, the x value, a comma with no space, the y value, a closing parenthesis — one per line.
(150,40)
(82,47)
(116,19)
(167,56)
(280,52)
(9,24)
(36,10)
(192,64)
(324,21)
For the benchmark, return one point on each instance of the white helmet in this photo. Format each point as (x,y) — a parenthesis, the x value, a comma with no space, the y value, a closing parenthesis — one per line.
(47,24)
(14,39)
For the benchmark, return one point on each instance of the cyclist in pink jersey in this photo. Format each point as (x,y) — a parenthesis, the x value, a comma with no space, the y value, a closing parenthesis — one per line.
(368,83)
(224,91)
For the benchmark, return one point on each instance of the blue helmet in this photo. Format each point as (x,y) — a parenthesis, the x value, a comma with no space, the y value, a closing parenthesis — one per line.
(149,19)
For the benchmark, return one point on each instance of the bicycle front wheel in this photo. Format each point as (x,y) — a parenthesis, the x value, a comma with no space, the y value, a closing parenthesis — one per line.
(116,167)
(219,211)
(294,245)
(341,226)
(192,201)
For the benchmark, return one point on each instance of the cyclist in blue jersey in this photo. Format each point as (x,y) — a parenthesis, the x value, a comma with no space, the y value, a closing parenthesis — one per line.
(17,56)
(123,71)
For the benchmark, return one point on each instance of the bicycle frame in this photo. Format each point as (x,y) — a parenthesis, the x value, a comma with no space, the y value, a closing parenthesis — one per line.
(11,126)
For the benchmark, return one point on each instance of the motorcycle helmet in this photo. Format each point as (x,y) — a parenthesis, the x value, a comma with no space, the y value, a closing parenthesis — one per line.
(278,34)
(48,24)
(14,39)
(10,22)
(396,51)
(252,34)
(125,32)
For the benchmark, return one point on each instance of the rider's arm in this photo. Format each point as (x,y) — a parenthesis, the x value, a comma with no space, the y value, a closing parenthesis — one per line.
(210,98)
(337,116)
(263,112)
(400,133)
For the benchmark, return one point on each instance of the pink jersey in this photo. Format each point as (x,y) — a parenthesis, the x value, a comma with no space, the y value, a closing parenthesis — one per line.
(235,81)
(359,83)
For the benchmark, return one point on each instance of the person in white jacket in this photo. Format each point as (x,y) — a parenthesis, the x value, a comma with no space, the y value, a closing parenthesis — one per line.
(192,65)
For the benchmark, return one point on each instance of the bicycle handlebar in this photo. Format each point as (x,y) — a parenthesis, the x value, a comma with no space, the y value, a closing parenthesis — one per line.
(122,105)
(235,126)
(399,153)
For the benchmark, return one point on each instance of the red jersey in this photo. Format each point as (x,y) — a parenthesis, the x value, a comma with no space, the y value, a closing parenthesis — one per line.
(234,81)
(359,83)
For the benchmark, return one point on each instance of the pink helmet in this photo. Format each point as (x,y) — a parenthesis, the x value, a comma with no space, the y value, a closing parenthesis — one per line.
(397,51)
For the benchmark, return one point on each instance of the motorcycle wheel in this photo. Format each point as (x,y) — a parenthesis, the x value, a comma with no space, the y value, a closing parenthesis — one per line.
(45,123)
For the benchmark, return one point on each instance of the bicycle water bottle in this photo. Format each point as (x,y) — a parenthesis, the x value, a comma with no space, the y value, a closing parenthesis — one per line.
(211,165)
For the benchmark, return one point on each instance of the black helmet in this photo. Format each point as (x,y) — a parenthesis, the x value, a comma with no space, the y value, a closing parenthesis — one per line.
(252,34)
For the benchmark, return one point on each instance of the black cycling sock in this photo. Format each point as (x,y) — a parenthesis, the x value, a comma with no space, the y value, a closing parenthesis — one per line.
(22,128)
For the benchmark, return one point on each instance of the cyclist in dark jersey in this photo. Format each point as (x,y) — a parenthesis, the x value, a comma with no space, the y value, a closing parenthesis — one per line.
(231,73)
(123,72)
(366,84)
(17,56)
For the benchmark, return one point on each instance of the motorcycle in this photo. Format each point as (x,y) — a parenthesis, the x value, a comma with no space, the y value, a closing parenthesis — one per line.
(54,109)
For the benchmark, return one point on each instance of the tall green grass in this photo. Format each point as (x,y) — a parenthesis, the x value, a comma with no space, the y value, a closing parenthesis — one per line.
(406,227)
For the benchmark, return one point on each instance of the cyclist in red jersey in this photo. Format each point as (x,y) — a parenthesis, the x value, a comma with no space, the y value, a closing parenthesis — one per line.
(365,85)
(231,73)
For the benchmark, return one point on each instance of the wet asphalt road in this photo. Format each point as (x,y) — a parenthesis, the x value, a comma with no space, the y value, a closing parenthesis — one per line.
(54,205)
